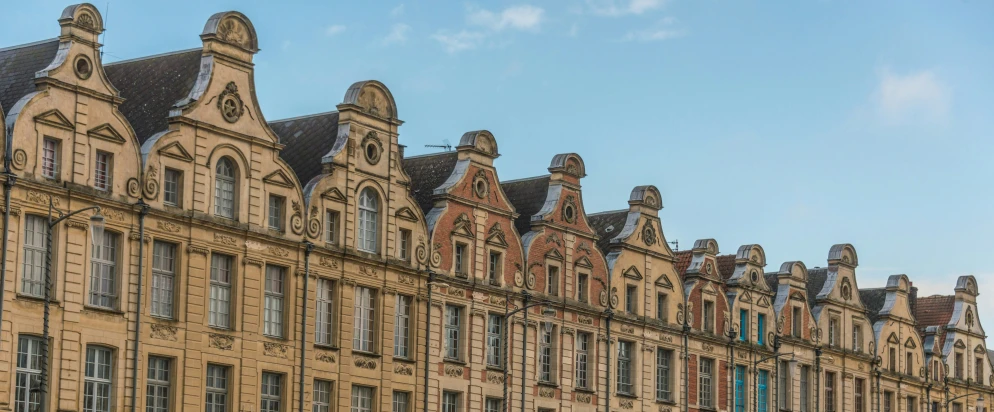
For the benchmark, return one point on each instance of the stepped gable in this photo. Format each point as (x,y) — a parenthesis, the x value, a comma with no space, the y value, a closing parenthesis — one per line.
(935,310)
(726,265)
(18,65)
(428,172)
(307,139)
(608,225)
(528,196)
(873,300)
(816,281)
(152,85)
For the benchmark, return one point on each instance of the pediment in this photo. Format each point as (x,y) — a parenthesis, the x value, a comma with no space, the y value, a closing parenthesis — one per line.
(583,262)
(764,302)
(554,254)
(746,297)
(797,296)
(278,178)
(55,118)
(632,273)
(334,194)
(176,151)
(495,236)
(407,214)
(709,288)
(462,226)
(960,345)
(664,281)
(106,132)
(980,349)
(893,339)
(910,343)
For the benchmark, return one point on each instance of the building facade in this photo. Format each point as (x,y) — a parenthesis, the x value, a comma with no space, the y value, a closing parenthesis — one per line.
(307,264)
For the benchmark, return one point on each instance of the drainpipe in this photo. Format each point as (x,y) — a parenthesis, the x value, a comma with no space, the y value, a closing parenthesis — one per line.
(524,352)
(8,185)
(817,379)
(505,355)
(431,278)
(142,212)
(308,248)
(607,397)
(878,390)
(686,354)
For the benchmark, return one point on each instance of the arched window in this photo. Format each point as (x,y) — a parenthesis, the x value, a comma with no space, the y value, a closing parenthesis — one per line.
(368,207)
(224,189)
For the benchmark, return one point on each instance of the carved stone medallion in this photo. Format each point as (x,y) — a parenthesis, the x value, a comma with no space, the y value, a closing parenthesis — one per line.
(229,102)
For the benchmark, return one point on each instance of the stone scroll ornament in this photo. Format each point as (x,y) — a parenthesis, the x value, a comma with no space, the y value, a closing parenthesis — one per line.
(314,224)
(421,252)
(134,188)
(151,187)
(436,256)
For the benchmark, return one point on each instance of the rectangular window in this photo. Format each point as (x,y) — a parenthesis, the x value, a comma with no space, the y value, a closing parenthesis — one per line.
(631,299)
(582,357)
(743,325)
(453,328)
(322,396)
(546,352)
(760,328)
(888,401)
(909,363)
(761,393)
(97,381)
(157,385)
(50,158)
(935,406)
(957,407)
(857,338)
(273,322)
(402,327)
(740,388)
(33,279)
(661,307)
(331,227)
(553,279)
(795,320)
(271,395)
(364,316)
(405,245)
(706,395)
(450,402)
(276,212)
(892,359)
(102,171)
(460,259)
(858,397)
(493,269)
(958,366)
(216,398)
(625,367)
(163,278)
(172,183)
(833,331)
(663,387)
(103,277)
(707,317)
(783,385)
(495,339)
(582,288)
(829,391)
(911,404)
(27,395)
(401,401)
(324,328)
(805,388)
(362,399)
(220,301)
(978,369)
(494,405)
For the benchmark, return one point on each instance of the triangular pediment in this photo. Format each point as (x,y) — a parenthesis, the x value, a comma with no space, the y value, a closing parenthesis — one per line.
(960,345)
(176,151)
(910,343)
(583,262)
(764,302)
(495,236)
(554,254)
(632,273)
(106,132)
(980,349)
(334,194)
(664,281)
(278,178)
(407,214)
(746,297)
(893,339)
(55,118)
(463,226)
(709,288)
(797,296)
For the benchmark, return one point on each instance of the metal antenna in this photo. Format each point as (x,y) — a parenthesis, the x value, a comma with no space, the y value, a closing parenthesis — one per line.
(106,19)
(440,146)
(676,245)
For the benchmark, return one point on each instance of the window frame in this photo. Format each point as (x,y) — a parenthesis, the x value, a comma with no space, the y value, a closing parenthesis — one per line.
(94,384)
(274,305)
(361,393)
(552,280)
(276,212)
(364,336)
(583,287)
(404,245)
(154,382)
(368,227)
(324,313)
(267,399)
(631,299)
(331,219)
(451,401)
(225,184)
(177,190)
(402,327)
(583,360)
(453,324)
(495,340)
(547,351)
(705,388)
(401,405)
(664,368)
(56,159)
(322,395)
(217,286)
(626,358)
(707,316)
(162,299)
(103,171)
(98,293)
(459,256)
(212,391)
(495,265)
(34,278)
(27,378)
(796,322)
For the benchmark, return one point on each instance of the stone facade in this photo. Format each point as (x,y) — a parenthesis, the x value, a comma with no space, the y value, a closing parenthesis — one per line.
(247,262)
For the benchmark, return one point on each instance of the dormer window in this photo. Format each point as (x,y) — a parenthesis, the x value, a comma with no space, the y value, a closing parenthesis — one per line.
(50,158)
(553,279)
(834,327)
(582,286)
(795,320)
(224,189)
(368,220)
(631,299)
(276,206)
(707,317)
(102,171)
(460,256)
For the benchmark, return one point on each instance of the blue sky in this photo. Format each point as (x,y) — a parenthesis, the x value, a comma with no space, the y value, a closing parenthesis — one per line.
(795,125)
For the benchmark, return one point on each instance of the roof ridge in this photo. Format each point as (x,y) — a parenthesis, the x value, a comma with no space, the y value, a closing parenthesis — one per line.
(525,179)
(302,117)
(428,155)
(35,43)
(154,56)
(607,211)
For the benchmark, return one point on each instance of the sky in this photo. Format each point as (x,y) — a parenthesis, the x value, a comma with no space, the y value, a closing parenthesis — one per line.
(795,125)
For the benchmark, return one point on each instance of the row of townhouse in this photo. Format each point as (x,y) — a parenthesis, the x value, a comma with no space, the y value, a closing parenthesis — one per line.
(307,264)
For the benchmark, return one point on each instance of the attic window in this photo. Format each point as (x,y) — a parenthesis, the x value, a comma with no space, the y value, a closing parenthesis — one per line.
(609,228)
(569,213)
(372,153)
(755,276)
(83,67)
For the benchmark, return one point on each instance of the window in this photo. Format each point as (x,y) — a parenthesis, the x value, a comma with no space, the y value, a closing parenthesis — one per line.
(276,212)
(368,226)
(892,359)
(740,388)
(631,299)
(216,398)
(224,189)
(978,369)
(663,387)
(625,367)
(888,401)
(453,326)
(271,392)
(744,325)
(783,385)
(957,407)
(324,327)
(102,171)
(911,404)
(35,232)
(546,353)
(362,399)
(805,388)
(97,380)
(582,355)
(450,401)
(495,340)
(172,182)
(157,385)
(706,392)
(582,288)
(707,316)
(959,366)
(273,321)
(322,396)
(402,327)
(553,278)
(829,391)
(163,278)
(331,227)
(460,267)
(50,158)
(760,328)
(401,401)
(795,320)
(220,303)
(494,405)
(103,277)
(661,307)
(857,338)
(364,317)
(404,252)
(858,401)
(833,331)
(909,362)
(493,270)
(935,406)
(761,393)
(27,396)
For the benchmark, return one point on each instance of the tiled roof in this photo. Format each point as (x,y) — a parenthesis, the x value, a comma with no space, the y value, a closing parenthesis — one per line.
(152,85)
(726,265)
(816,281)
(527,195)
(683,259)
(307,139)
(873,301)
(428,172)
(18,65)
(608,225)
(935,310)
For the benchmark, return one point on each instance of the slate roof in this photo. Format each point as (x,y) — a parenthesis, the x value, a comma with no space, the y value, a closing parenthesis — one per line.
(152,85)
(527,195)
(772,281)
(816,281)
(726,265)
(683,259)
(307,140)
(990,355)
(935,310)
(607,225)
(873,300)
(428,172)
(18,65)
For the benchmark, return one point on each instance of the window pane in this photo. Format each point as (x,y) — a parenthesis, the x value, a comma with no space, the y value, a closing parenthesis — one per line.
(163,276)
(402,326)
(220,298)
(33,279)
(270,398)
(273,322)
(157,385)
(103,275)
(364,317)
(217,388)
(325,312)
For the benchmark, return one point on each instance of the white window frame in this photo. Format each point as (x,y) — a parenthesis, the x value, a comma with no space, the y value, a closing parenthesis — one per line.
(459,267)
(495,340)
(225,203)
(451,401)
(35,237)
(493,405)
(453,331)
(321,398)
(364,320)
(103,274)
(368,221)
(324,317)
(331,226)
(277,209)
(103,169)
(222,272)
(552,280)
(706,386)
(664,381)
(583,360)
(404,245)
(172,186)
(28,377)
(271,392)
(274,308)
(582,287)
(216,388)
(363,398)
(631,299)
(707,317)
(402,327)
(98,380)
(546,355)
(625,362)
(50,154)
(157,385)
(163,279)
(494,265)
(401,401)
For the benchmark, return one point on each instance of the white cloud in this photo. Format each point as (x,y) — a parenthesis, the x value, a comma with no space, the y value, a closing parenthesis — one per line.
(454,43)
(397,11)
(523,17)
(616,8)
(334,29)
(665,29)
(398,34)
(918,95)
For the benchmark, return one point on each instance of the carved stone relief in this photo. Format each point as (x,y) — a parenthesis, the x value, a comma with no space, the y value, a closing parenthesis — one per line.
(164,332)
(219,341)
(273,349)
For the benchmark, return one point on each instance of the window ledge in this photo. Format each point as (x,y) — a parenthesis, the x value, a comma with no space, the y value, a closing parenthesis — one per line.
(325,346)
(404,360)
(626,395)
(455,361)
(39,299)
(276,338)
(103,309)
(548,384)
(163,319)
(221,329)
(665,402)
(495,368)
(368,354)
(584,390)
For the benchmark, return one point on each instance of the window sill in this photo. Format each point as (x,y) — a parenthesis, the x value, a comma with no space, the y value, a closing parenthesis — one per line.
(548,384)
(626,395)
(39,299)
(404,360)
(495,368)
(103,309)
(364,353)
(220,329)
(325,346)
(273,337)
(455,361)
(584,390)
(163,319)
(665,402)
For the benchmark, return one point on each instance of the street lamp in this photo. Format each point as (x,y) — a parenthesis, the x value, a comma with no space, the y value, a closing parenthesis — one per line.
(755,368)
(980,399)
(547,326)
